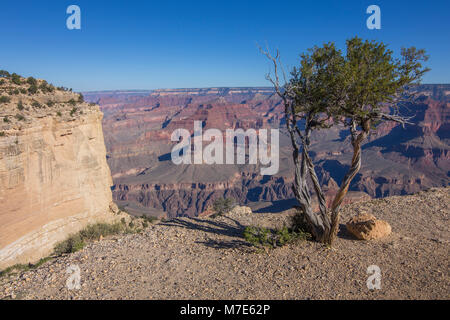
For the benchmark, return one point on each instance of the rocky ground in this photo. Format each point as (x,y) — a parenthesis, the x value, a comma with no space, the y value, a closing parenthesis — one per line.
(205,258)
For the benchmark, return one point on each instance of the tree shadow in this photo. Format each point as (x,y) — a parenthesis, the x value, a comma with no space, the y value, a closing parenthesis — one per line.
(216,228)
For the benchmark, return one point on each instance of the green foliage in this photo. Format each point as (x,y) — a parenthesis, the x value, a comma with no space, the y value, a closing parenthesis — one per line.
(4,74)
(36,104)
(72,244)
(5,99)
(20,117)
(150,219)
(33,89)
(24,267)
(50,103)
(352,87)
(23,91)
(16,79)
(73,111)
(32,81)
(222,206)
(2,81)
(20,105)
(59,114)
(2,134)
(76,242)
(263,237)
(6,119)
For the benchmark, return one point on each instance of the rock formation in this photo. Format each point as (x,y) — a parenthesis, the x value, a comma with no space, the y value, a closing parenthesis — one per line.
(54,178)
(138,125)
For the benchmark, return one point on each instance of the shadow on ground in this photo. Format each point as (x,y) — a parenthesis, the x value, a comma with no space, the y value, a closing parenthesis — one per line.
(234,229)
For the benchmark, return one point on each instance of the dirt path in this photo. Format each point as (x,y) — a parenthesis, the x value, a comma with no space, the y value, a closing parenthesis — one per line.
(208,259)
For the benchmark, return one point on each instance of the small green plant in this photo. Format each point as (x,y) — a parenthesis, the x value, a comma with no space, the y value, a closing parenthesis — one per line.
(6,119)
(59,114)
(77,241)
(50,103)
(20,105)
(222,206)
(16,79)
(2,134)
(73,111)
(32,81)
(72,102)
(23,90)
(2,81)
(150,219)
(5,99)
(33,89)
(263,237)
(20,117)
(36,104)
(4,74)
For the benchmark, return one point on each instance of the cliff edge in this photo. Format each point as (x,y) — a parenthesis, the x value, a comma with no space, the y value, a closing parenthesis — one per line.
(54,179)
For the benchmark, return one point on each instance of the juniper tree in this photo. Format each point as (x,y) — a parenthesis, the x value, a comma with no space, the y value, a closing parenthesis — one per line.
(359,90)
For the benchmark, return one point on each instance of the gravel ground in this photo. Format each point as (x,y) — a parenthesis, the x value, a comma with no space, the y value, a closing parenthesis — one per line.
(206,258)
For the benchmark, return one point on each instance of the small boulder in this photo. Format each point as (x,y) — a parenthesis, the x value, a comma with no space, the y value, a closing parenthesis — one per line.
(366,227)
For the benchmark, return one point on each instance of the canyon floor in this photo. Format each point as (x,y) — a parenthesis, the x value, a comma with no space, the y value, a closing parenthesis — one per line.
(205,258)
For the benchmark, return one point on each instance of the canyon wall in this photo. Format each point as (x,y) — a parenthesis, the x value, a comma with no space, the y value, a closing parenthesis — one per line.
(54,179)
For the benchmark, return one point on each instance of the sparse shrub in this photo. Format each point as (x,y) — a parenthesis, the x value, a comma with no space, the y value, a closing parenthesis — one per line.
(149,218)
(2,134)
(73,111)
(123,221)
(6,119)
(76,242)
(32,81)
(33,89)
(20,117)
(4,74)
(2,81)
(222,206)
(5,99)
(72,244)
(36,104)
(50,103)
(72,102)
(81,98)
(20,106)
(59,114)
(16,92)
(263,237)
(16,79)
(23,91)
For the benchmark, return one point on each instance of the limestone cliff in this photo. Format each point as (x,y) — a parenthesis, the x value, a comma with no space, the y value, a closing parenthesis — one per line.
(54,178)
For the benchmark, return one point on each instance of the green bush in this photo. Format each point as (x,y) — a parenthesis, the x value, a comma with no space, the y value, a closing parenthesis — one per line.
(59,114)
(76,242)
(2,134)
(2,81)
(32,81)
(72,102)
(50,103)
(16,79)
(5,99)
(20,106)
(33,89)
(222,206)
(23,91)
(20,117)
(73,111)
(36,104)
(6,119)
(4,74)
(263,237)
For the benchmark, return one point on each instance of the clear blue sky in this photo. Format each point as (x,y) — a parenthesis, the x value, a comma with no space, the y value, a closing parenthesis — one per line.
(174,44)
